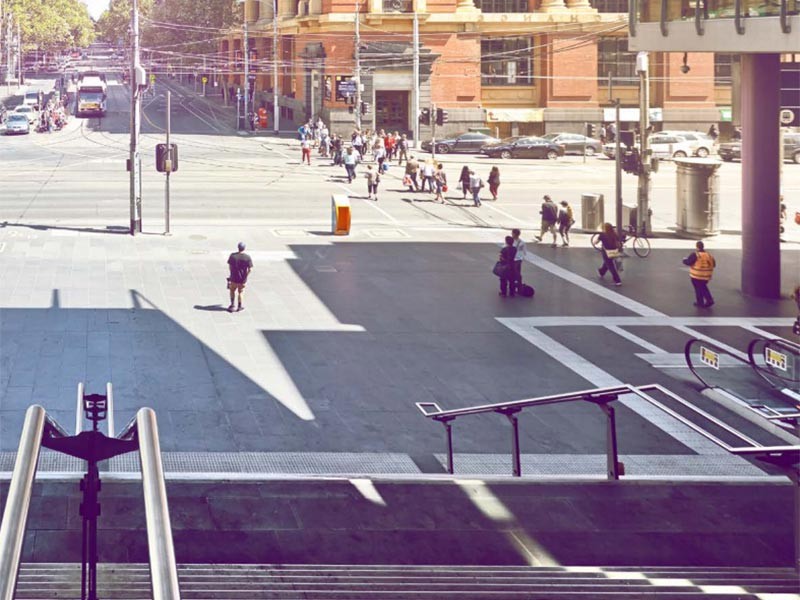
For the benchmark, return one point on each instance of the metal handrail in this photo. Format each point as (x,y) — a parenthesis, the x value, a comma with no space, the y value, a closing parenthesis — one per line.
(18,501)
(687,353)
(751,357)
(163,567)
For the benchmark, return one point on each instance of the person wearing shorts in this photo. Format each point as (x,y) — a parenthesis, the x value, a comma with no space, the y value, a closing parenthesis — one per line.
(240,265)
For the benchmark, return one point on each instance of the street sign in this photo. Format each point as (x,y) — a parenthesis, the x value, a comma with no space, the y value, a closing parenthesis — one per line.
(709,357)
(775,359)
(347,87)
(152,77)
(787,116)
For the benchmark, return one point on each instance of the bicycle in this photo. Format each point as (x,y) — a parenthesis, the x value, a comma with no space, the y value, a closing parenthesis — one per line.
(641,245)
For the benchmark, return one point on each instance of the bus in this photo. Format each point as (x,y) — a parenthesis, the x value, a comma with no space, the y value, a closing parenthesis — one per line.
(91,96)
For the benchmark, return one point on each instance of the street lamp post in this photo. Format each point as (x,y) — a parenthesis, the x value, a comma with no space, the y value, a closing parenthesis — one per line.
(275,104)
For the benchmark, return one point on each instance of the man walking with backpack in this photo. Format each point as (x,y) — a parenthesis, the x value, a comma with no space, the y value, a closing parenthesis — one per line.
(549,214)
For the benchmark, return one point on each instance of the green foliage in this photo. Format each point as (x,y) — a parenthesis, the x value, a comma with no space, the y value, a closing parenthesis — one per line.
(113,26)
(190,26)
(52,24)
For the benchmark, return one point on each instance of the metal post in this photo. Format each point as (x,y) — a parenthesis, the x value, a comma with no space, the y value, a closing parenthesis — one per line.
(18,500)
(643,195)
(797,506)
(9,73)
(415,100)
(19,56)
(136,106)
(246,73)
(89,511)
(618,168)
(169,165)
(612,464)
(357,56)
(205,75)
(515,451)
(275,104)
(433,131)
(449,428)
(79,410)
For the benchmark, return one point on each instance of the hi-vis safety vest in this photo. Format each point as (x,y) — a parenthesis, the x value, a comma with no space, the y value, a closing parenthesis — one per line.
(702,267)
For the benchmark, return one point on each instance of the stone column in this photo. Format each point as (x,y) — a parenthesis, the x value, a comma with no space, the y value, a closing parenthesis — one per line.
(552,6)
(467,6)
(761,171)
(579,5)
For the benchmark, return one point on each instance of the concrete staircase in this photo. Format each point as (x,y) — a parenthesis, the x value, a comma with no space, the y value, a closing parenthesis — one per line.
(40,581)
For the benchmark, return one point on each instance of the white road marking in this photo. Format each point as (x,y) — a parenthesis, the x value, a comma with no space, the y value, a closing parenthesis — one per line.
(652,348)
(374,205)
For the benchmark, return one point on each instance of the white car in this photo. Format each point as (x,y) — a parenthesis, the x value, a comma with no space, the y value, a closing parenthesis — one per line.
(17,123)
(662,146)
(28,111)
(702,143)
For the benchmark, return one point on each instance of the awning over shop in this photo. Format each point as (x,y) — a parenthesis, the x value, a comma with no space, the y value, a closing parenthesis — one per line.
(632,114)
(514,115)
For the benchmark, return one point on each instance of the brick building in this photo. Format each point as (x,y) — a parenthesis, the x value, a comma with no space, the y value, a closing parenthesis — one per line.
(513,66)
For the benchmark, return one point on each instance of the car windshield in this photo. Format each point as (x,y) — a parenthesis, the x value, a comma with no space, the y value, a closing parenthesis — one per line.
(19,118)
(24,109)
(91,97)
(512,139)
(550,136)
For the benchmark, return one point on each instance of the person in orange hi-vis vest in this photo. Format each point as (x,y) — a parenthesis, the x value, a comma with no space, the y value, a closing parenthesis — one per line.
(262,118)
(701,265)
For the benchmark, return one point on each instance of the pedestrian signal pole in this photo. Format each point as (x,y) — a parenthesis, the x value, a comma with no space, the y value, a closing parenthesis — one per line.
(135,161)
(168,165)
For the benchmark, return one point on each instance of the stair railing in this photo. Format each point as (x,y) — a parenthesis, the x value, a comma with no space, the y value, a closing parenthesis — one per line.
(140,434)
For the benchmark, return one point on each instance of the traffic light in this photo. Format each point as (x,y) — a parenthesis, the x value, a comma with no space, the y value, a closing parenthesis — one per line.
(365,108)
(162,155)
(590,130)
(441,116)
(630,162)
(425,116)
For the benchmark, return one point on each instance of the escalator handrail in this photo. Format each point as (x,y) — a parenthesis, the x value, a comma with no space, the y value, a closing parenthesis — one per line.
(791,346)
(687,352)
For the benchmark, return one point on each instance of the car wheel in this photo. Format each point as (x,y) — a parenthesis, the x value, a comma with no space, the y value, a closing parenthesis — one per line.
(702,152)
(552,155)
(679,154)
(590,151)
(796,157)
(505,154)
(443,149)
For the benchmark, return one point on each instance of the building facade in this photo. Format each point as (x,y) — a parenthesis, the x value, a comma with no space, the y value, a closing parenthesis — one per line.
(512,66)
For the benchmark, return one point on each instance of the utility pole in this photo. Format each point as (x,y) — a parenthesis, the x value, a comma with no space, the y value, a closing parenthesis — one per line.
(246,73)
(135,160)
(617,156)
(276,116)
(19,56)
(9,71)
(169,165)
(643,190)
(357,56)
(415,99)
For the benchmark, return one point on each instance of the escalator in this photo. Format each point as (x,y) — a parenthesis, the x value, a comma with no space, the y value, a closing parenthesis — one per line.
(761,384)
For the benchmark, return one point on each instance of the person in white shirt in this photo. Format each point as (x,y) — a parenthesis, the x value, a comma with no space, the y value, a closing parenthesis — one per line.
(519,244)
(428,173)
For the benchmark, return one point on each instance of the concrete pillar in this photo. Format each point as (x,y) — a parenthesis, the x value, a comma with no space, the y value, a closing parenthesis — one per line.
(761,171)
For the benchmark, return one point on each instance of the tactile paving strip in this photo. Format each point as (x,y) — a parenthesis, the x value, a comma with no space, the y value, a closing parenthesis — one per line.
(292,463)
(589,465)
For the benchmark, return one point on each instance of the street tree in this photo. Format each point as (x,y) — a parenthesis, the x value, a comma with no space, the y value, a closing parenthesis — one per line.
(52,24)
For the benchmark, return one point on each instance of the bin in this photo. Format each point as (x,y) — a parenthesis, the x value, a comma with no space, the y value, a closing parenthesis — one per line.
(592,217)
(697,196)
(340,215)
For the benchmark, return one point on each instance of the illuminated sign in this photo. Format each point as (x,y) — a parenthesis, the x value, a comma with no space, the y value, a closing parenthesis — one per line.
(709,357)
(775,359)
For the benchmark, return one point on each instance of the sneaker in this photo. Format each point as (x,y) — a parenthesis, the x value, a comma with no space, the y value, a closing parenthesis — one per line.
(710,304)
(554,245)
(564,245)
(538,238)
(599,272)
(617,283)
(241,308)
(230,308)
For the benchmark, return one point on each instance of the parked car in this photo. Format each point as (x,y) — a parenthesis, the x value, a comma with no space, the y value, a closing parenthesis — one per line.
(28,111)
(524,147)
(470,143)
(17,123)
(702,144)
(730,151)
(575,143)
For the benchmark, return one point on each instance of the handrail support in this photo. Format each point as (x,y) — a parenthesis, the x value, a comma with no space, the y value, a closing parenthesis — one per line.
(448,427)
(516,461)
(786,26)
(613,466)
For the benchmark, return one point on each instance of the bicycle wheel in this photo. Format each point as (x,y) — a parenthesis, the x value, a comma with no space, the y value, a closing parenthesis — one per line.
(596,241)
(641,246)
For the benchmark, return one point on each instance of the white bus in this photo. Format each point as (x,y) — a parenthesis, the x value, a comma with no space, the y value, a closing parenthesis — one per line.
(91,96)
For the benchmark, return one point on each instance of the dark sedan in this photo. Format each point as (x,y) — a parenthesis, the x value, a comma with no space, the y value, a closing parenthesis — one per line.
(470,143)
(575,143)
(730,151)
(524,147)
(791,149)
